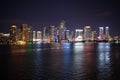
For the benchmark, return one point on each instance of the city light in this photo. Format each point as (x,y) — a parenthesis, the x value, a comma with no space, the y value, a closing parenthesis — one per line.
(56,34)
(21,42)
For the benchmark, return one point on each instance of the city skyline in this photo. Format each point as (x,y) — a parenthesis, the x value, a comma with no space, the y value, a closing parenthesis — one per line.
(56,34)
(76,13)
(67,28)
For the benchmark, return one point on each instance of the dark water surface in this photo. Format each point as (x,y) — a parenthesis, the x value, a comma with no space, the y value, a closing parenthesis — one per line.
(68,61)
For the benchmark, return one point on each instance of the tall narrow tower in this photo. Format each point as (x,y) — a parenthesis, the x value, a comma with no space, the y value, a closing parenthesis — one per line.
(107,35)
(13,33)
(24,32)
(67,35)
(87,33)
(52,30)
(101,33)
(34,35)
(62,30)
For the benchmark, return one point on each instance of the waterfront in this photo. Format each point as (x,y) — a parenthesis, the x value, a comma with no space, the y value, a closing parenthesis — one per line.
(55,61)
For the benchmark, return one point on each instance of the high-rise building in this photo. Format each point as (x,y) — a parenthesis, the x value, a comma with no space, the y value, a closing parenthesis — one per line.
(87,33)
(45,35)
(94,36)
(44,32)
(67,35)
(29,34)
(79,35)
(13,34)
(39,36)
(34,35)
(62,29)
(72,37)
(52,33)
(101,34)
(26,33)
(19,33)
(62,24)
(107,35)
(56,34)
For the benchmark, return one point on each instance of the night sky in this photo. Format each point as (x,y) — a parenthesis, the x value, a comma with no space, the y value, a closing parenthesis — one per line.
(76,13)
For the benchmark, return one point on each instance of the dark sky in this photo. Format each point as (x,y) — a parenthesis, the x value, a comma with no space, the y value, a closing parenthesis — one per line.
(76,13)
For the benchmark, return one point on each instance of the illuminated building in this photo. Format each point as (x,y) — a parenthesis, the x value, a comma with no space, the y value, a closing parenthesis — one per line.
(62,24)
(4,38)
(94,35)
(39,36)
(62,29)
(116,38)
(79,35)
(26,33)
(56,34)
(72,36)
(6,35)
(52,35)
(29,34)
(87,33)
(67,35)
(46,37)
(107,35)
(13,34)
(101,34)
(44,32)
(34,35)
(19,34)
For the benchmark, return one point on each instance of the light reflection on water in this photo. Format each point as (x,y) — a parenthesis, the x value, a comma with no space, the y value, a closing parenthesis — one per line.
(104,60)
(63,61)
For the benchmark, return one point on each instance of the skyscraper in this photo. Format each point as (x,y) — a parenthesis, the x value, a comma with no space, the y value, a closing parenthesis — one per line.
(13,34)
(45,35)
(101,33)
(29,34)
(19,34)
(94,36)
(34,35)
(87,33)
(62,29)
(79,35)
(107,35)
(39,36)
(52,33)
(67,35)
(26,33)
(72,37)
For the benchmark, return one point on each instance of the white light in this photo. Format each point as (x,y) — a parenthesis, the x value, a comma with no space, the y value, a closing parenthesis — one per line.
(21,42)
(67,30)
(100,27)
(79,30)
(87,27)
